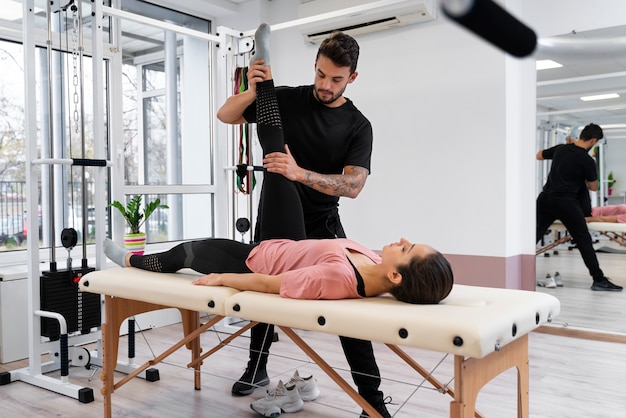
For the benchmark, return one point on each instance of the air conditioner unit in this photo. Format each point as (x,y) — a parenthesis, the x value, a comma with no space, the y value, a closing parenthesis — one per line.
(358,17)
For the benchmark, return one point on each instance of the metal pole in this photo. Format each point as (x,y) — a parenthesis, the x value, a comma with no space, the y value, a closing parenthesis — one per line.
(53,263)
(81,83)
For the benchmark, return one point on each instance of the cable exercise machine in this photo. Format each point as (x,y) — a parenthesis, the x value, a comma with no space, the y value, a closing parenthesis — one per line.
(62,319)
(50,331)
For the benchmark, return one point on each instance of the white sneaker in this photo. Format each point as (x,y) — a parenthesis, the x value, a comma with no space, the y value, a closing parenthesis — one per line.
(548,282)
(558,280)
(277,400)
(307,386)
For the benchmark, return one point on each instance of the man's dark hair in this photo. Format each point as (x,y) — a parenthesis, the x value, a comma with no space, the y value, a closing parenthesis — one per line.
(591,131)
(341,49)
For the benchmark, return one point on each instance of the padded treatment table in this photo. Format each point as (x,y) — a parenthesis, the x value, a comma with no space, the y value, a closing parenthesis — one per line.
(614,231)
(130,291)
(486,329)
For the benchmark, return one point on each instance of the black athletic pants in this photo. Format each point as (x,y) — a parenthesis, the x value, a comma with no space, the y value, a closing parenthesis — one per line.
(359,353)
(568,211)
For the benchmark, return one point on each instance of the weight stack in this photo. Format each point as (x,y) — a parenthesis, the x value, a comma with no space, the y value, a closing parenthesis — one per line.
(60,294)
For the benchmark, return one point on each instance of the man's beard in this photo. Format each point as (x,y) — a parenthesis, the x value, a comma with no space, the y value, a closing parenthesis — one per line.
(332,99)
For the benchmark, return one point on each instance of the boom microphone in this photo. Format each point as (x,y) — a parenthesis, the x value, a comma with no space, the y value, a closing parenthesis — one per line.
(491,22)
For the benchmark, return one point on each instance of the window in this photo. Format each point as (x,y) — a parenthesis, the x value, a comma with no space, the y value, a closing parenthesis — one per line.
(13,228)
(164,80)
(167,121)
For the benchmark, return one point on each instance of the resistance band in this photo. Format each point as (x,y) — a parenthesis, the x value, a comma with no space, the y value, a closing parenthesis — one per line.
(246,180)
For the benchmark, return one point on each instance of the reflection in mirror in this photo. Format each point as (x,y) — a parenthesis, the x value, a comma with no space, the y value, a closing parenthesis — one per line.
(585,83)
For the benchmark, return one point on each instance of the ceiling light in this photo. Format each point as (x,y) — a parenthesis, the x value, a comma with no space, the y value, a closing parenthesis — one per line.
(547,64)
(599,97)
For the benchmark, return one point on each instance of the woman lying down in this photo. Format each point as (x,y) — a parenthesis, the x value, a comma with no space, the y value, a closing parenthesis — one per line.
(307,269)
(609,213)
(286,263)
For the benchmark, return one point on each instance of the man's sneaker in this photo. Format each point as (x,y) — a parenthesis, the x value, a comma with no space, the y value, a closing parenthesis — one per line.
(606,286)
(558,280)
(306,386)
(380,404)
(250,381)
(280,399)
(548,282)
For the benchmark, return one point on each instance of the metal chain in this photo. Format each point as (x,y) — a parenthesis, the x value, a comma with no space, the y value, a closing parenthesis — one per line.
(75,65)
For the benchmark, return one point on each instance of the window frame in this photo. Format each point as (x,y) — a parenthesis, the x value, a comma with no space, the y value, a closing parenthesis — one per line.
(111,77)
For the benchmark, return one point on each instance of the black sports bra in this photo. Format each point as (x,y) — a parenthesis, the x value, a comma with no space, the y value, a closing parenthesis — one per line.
(360,285)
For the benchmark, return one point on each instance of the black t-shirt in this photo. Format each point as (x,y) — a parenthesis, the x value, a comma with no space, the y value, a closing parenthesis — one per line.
(321,139)
(572,167)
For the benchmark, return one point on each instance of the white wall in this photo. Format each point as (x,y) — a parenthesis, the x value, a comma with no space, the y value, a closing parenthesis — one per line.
(439,147)
(246,18)
(450,166)
(430,177)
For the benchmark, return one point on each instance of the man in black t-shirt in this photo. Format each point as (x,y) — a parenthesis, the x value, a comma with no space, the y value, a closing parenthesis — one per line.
(328,153)
(330,150)
(572,169)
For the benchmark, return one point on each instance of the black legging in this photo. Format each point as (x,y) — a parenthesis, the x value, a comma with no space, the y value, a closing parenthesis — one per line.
(216,255)
(280,213)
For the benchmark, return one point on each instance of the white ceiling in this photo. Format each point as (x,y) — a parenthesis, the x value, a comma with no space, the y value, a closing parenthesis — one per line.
(594,62)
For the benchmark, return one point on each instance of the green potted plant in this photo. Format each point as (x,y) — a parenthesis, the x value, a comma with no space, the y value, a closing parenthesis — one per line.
(135,217)
(610,182)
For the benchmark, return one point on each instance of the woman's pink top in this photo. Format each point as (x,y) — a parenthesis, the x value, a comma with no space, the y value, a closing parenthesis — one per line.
(619,210)
(312,269)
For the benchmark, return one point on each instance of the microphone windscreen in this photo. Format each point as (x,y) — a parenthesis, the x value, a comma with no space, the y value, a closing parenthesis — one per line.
(491,22)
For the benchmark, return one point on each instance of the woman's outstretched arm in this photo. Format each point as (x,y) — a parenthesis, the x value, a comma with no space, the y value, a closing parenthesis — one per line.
(265,283)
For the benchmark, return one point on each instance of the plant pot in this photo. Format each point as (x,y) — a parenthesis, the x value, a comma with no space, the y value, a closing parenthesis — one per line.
(135,243)
(610,191)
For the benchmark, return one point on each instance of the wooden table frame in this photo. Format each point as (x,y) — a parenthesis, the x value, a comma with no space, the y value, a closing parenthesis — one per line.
(470,374)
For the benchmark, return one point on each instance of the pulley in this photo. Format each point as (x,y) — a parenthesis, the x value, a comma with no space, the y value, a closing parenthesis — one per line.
(69,238)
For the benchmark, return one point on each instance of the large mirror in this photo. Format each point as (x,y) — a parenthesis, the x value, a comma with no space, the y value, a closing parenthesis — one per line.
(592,66)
